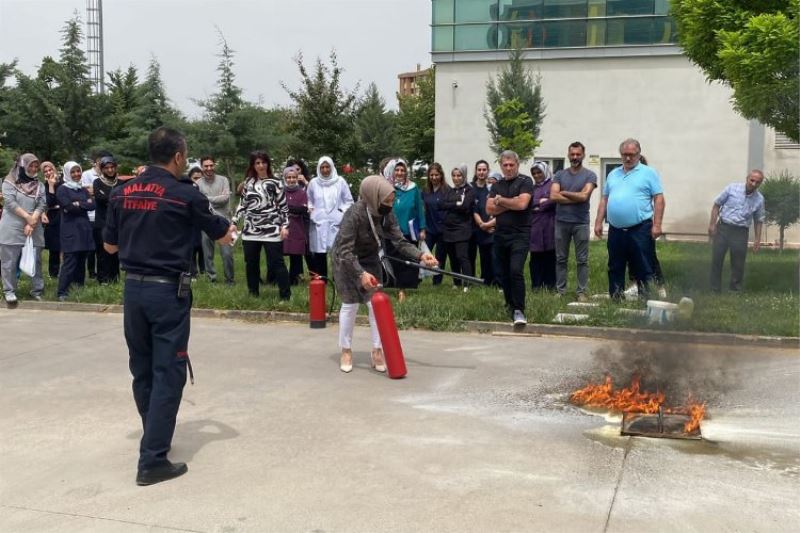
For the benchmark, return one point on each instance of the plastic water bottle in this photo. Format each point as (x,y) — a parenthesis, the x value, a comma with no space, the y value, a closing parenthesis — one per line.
(685,308)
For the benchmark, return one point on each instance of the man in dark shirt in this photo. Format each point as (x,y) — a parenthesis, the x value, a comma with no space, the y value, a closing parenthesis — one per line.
(572,188)
(150,222)
(509,201)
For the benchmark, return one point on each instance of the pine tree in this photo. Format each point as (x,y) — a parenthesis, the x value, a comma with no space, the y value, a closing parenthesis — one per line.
(324,113)
(514,82)
(374,128)
(416,126)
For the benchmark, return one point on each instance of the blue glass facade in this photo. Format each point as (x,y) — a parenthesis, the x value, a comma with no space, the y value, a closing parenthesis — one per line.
(480,25)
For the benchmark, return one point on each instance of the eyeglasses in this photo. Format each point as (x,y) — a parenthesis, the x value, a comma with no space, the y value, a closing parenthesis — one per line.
(630,155)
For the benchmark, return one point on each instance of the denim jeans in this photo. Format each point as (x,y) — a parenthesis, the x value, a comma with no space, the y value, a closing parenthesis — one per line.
(629,246)
(579,234)
(225,251)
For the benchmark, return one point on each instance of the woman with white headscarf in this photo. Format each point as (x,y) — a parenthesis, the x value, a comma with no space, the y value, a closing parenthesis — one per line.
(76,229)
(543,237)
(328,198)
(357,265)
(23,215)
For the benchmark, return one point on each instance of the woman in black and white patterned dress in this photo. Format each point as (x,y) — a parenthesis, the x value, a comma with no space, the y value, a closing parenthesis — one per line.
(266,223)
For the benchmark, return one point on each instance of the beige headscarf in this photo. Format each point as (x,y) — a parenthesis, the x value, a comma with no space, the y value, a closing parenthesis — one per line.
(373,191)
(19,177)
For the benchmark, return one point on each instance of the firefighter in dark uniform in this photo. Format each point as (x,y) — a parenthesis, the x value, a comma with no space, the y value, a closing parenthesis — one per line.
(151,221)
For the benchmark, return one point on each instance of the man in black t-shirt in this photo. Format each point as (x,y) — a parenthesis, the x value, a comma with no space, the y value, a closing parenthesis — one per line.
(509,201)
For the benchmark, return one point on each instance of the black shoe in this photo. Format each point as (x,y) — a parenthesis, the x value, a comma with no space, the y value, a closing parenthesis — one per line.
(160,473)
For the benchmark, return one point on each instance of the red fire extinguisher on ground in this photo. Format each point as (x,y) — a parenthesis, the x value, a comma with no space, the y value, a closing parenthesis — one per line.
(392,350)
(316,302)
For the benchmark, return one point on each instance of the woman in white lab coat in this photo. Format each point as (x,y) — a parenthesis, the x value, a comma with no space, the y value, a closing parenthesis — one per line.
(328,198)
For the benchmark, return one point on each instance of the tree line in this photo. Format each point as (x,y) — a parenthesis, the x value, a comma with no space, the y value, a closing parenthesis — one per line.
(57,115)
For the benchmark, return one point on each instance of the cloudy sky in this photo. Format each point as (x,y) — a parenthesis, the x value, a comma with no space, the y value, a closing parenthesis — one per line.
(374,40)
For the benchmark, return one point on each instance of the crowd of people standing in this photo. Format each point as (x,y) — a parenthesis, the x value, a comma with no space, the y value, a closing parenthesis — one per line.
(489,223)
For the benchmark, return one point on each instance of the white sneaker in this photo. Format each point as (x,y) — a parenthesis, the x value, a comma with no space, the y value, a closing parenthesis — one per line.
(662,292)
(519,318)
(11,299)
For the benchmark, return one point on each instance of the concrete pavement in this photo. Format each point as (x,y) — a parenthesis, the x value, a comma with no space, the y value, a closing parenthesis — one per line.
(479,437)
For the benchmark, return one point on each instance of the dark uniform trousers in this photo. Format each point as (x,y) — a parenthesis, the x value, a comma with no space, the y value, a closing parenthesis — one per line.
(157,332)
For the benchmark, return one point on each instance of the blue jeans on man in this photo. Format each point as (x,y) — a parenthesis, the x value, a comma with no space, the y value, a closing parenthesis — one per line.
(566,232)
(629,246)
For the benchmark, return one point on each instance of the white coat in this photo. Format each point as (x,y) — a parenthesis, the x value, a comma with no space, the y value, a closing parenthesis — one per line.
(327,201)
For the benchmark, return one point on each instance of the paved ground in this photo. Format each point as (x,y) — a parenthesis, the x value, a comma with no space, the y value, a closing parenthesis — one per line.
(479,437)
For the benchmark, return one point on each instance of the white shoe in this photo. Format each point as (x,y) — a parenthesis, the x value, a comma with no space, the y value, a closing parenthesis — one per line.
(519,318)
(378,362)
(662,293)
(346,361)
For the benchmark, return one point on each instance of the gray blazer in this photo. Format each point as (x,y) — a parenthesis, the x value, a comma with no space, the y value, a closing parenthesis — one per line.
(355,250)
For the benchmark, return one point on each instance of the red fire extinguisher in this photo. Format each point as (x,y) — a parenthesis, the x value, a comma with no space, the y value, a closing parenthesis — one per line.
(392,350)
(316,302)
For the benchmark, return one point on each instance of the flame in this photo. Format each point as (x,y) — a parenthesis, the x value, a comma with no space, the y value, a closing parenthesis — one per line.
(633,400)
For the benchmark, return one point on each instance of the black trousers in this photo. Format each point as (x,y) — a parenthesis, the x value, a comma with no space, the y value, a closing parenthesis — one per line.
(487,260)
(91,264)
(295,269)
(73,270)
(156,324)
(543,270)
(107,264)
(458,252)
(53,263)
(252,263)
(406,277)
(511,251)
(319,263)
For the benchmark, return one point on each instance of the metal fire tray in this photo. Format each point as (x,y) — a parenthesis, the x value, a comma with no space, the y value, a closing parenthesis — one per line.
(657,425)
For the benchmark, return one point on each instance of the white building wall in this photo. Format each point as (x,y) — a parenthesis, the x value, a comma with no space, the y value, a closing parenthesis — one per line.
(687,127)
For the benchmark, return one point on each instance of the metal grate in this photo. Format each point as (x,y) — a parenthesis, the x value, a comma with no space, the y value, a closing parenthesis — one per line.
(658,425)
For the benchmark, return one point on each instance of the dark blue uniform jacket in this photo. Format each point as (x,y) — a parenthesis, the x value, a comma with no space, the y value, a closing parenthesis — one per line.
(152,218)
(76,230)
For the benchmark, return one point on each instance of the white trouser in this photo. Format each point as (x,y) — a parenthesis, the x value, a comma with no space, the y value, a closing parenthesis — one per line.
(347,321)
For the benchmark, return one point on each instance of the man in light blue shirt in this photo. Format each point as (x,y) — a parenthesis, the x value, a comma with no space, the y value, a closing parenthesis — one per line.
(734,209)
(633,202)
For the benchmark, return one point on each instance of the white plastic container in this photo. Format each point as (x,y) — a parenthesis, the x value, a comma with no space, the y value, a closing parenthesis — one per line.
(659,312)
(569,318)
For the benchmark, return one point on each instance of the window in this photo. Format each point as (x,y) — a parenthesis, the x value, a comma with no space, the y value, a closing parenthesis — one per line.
(442,38)
(554,9)
(555,163)
(606,166)
(473,36)
(630,7)
(475,25)
(473,11)
(443,11)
